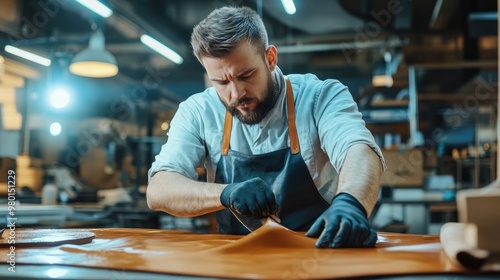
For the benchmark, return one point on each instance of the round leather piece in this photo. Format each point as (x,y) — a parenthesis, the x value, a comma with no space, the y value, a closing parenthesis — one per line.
(44,237)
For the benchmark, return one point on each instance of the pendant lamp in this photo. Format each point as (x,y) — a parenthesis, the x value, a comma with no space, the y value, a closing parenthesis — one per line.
(94,61)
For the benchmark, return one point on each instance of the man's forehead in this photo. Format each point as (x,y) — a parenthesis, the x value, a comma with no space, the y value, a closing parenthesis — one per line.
(236,64)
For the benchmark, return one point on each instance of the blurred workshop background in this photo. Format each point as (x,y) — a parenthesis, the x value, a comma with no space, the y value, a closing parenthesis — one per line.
(423,73)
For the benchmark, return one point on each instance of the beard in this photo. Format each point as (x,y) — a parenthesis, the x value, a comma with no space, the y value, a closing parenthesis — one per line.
(261,109)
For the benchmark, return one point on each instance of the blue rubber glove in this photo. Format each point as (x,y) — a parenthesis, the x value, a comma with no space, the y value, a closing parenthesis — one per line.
(343,224)
(252,198)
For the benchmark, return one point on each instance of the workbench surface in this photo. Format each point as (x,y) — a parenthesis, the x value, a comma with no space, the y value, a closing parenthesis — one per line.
(271,252)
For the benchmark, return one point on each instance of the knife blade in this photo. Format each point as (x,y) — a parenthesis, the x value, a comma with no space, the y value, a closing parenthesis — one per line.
(253,224)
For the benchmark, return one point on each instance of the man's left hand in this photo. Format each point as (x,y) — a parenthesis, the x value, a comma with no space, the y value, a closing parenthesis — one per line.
(343,224)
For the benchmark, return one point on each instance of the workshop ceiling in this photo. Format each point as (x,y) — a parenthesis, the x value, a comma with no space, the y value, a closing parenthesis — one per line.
(335,39)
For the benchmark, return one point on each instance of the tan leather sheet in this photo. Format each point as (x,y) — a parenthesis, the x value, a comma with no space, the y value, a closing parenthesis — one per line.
(271,252)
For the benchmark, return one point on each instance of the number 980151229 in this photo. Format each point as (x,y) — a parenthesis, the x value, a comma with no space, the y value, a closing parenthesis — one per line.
(11,181)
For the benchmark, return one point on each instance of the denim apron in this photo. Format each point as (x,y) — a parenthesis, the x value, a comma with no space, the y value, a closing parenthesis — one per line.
(300,203)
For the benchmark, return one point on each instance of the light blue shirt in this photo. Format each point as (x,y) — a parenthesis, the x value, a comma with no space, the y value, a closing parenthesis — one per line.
(327,119)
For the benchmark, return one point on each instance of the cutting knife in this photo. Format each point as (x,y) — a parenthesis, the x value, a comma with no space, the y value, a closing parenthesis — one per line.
(253,224)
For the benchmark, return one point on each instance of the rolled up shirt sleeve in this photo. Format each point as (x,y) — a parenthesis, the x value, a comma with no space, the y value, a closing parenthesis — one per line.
(184,150)
(340,124)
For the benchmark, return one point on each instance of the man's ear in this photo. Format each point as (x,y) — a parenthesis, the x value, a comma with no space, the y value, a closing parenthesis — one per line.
(272,57)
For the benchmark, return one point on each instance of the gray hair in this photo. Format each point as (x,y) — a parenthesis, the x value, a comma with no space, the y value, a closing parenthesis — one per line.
(224,28)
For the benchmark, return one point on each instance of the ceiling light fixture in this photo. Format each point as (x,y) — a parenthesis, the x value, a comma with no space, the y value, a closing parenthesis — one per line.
(55,129)
(96,7)
(27,55)
(289,6)
(59,98)
(95,61)
(161,49)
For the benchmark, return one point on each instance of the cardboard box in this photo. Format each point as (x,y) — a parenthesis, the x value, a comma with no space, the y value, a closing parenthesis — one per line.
(6,164)
(3,188)
(95,173)
(27,161)
(480,208)
(404,168)
(29,177)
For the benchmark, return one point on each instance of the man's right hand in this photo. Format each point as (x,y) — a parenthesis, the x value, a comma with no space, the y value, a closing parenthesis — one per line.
(252,198)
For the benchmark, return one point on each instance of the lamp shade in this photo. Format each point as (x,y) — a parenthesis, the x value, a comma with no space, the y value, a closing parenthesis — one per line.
(94,61)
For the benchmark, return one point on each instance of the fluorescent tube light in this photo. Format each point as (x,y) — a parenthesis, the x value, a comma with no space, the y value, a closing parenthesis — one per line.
(161,49)
(27,55)
(96,7)
(289,6)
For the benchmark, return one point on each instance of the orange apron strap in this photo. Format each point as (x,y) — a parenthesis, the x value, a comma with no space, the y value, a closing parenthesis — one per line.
(292,130)
(228,123)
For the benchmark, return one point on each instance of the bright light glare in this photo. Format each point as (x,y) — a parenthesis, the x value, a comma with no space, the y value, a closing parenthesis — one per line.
(55,129)
(56,272)
(165,126)
(96,7)
(27,55)
(161,49)
(289,6)
(59,98)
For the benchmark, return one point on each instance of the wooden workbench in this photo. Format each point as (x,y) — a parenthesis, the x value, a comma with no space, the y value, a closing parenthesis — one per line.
(272,252)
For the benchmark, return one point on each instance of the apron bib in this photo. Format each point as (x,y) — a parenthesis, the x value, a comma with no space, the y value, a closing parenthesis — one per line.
(300,203)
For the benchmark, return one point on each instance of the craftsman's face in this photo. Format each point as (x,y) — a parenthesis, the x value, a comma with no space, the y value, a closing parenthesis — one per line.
(244,82)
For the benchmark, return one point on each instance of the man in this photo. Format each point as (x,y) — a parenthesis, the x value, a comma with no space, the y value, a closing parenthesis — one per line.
(293,147)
